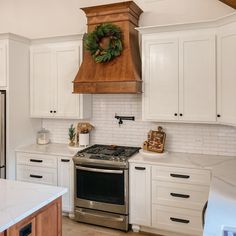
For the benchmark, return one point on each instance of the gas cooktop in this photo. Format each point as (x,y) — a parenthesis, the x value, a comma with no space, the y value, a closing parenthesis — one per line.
(103,155)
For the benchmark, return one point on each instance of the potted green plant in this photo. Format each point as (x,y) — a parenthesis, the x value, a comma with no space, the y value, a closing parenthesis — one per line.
(72,134)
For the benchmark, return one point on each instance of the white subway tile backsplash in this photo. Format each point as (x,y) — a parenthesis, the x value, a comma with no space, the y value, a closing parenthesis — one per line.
(192,138)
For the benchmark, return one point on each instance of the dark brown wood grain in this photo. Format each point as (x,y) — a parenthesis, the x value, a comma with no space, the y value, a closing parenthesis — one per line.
(231,3)
(123,74)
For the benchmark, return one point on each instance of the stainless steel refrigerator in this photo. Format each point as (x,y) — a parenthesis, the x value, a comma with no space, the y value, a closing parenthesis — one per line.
(3,134)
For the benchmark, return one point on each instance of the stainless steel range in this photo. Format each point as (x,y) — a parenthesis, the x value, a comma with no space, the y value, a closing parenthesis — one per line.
(102,186)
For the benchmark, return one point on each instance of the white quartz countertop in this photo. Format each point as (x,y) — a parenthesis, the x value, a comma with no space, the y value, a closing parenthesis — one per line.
(18,200)
(57,149)
(221,208)
(221,166)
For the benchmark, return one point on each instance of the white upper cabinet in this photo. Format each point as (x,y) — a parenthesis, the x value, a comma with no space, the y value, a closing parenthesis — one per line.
(226,46)
(161,79)
(179,76)
(3,63)
(53,68)
(67,63)
(197,80)
(42,84)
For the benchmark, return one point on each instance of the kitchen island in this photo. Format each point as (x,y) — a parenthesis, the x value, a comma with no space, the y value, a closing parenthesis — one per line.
(29,209)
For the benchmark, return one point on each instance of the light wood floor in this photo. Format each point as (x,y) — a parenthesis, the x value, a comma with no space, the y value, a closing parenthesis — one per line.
(71,228)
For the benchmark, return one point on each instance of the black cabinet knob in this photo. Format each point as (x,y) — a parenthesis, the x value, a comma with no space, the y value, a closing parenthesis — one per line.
(50,111)
(218,115)
(55,111)
(181,114)
(176,114)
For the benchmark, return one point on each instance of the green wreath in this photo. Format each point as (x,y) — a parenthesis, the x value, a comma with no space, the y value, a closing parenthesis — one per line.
(104,43)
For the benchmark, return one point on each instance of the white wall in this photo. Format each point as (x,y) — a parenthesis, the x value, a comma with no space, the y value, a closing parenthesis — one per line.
(44,18)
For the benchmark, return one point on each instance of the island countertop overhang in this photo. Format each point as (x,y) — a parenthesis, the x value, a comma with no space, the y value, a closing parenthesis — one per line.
(19,200)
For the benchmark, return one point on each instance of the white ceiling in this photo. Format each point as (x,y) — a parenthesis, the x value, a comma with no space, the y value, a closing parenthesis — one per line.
(44,18)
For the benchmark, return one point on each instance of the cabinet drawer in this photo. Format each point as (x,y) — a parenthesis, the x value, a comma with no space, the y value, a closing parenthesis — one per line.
(37,174)
(181,175)
(179,195)
(177,220)
(36,160)
(24,227)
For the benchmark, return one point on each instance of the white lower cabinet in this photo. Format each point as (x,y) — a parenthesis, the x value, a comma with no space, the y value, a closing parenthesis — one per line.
(140,194)
(49,170)
(36,174)
(175,219)
(168,199)
(66,179)
(176,194)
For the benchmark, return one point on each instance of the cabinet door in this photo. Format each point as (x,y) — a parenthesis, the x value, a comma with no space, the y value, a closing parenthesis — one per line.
(3,63)
(48,222)
(41,92)
(140,194)
(227,74)
(197,87)
(65,179)
(67,59)
(160,99)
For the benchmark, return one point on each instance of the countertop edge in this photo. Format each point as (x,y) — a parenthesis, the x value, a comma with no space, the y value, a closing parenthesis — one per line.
(45,153)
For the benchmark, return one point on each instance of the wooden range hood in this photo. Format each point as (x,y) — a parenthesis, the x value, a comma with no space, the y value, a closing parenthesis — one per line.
(122,74)
(231,3)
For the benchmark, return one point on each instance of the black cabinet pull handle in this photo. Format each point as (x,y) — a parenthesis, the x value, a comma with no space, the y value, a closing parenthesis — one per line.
(34,160)
(65,160)
(26,230)
(139,168)
(180,176)
(50,111)
(179,195)
(181,114)
(176,114)
(55,111)
(218,115)
(36,176)
(179,220)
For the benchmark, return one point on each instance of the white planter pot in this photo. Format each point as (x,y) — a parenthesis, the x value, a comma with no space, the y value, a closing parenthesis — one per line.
(84,140)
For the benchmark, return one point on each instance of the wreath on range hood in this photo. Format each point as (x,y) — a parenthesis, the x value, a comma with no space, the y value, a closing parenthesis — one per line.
(104,43)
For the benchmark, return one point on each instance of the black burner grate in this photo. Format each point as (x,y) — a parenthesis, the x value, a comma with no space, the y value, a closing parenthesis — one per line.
(110,150)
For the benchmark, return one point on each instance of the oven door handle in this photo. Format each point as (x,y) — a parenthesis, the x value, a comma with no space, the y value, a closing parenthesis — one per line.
(118,219)
(100,170)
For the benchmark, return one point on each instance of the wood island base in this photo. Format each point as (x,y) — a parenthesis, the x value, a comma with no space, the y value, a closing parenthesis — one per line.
(44,222)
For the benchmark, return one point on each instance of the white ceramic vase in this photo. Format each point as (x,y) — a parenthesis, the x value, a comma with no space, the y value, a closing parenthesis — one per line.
(84,140)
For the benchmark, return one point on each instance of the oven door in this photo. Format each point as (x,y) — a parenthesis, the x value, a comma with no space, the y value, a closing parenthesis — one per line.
(101,189)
